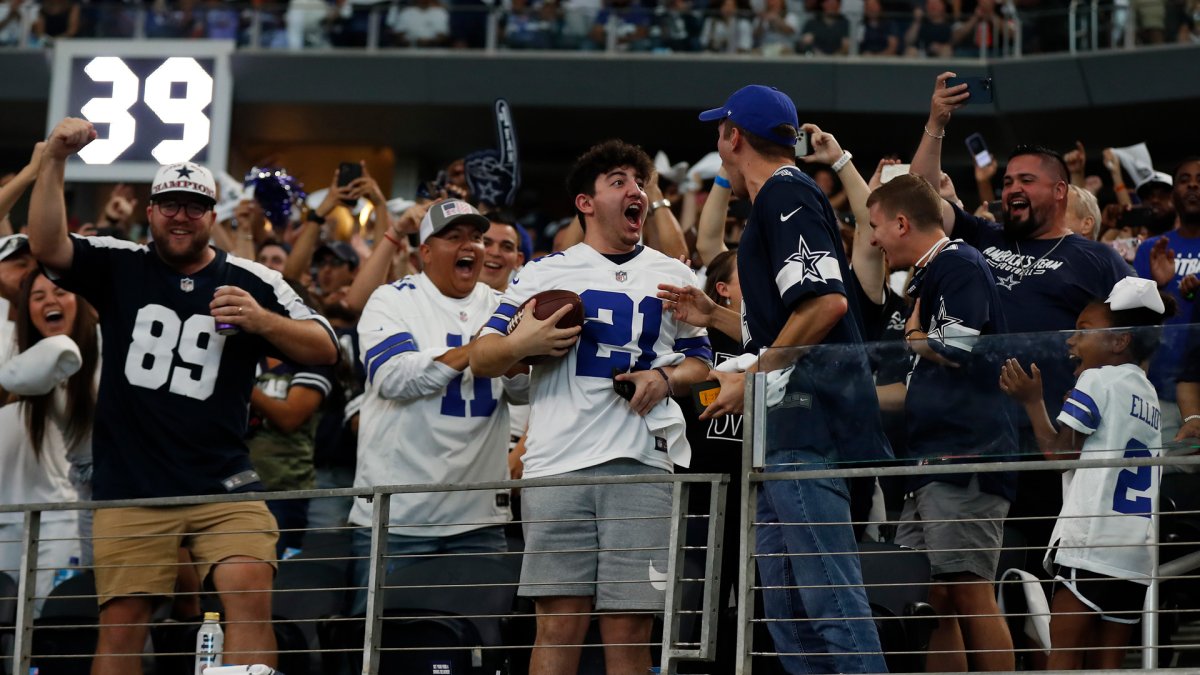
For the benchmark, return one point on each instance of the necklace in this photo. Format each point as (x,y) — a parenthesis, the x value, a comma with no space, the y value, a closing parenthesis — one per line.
(1017,276)
(933,251)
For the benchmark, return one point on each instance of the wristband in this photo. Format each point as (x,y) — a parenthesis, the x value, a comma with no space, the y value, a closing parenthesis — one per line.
(721,181)
(932,135)
(665,379)
(658,204)
(1119,187)
(1189,418)
(909,333)
(388,236)
(842,161)
(312,215)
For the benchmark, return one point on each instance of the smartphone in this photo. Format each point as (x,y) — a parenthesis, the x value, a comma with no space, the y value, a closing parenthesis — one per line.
(891,171)
(348,172)
(1126,248)
(979,150)
(979,88)
(1136,218)
(803,147)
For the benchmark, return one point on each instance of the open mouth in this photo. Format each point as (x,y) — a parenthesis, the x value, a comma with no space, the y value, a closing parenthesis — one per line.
(54,318)
(1018,205)
(633,214)
(465,264)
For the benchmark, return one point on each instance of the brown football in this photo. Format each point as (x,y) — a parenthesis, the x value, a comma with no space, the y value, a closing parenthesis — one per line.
(549,302)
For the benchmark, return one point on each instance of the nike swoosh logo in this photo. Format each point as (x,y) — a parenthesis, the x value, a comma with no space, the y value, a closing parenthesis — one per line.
(658,580)
(783,218)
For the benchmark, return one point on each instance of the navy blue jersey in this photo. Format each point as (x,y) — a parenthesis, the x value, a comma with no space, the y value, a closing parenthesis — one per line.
(1167,362)
(1044,284)
(337,439)
(960,411)
(790,252)
(174,395)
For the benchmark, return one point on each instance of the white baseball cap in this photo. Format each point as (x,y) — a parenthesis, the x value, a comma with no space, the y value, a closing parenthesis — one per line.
(13,244)
(184,177)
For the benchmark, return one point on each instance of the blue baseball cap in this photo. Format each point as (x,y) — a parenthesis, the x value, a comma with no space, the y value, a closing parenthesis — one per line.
(758,109)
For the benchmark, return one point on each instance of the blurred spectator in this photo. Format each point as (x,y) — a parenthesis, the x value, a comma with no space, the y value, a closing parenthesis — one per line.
(273,255)
(425,23)
(728,23)
(1150,17)
(57,19)
(530,27)
(284,410)
(502,255)
(10,22)
(981,31)
(1189,26)
(336,263)
(880,35)
(218,20)
(1156,194)
(776,29)
(679,26)
(828,33)
(171,21)
(828,181)
(349,27)
(468,23)
(1083,213)
(629,23)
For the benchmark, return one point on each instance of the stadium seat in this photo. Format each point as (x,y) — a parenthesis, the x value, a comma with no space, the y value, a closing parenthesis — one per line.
(433,596)
(71,603)
(897,581)
(8,620)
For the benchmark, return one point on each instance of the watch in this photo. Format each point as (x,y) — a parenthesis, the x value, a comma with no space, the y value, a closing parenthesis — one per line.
(659,203)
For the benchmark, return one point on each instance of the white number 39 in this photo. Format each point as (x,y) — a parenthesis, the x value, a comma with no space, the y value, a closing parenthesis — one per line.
(158,335)
(122,127)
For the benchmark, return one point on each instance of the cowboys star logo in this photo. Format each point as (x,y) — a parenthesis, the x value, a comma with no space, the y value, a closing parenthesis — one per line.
(808,260)
(941,322)
(183,172)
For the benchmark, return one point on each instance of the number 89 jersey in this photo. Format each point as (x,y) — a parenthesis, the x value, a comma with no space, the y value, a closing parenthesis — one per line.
(576,419)
(174,394)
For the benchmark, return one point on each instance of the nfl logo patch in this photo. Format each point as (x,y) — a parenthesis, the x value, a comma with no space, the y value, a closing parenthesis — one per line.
(621,276)
(462,316)
(187,285)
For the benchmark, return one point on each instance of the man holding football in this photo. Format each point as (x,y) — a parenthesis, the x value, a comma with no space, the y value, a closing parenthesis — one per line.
(580,426)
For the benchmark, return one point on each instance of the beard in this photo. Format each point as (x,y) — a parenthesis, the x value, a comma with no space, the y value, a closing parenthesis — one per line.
(180,257)
(1020,229)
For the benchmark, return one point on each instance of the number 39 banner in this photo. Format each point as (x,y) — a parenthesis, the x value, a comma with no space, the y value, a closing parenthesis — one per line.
(153,102)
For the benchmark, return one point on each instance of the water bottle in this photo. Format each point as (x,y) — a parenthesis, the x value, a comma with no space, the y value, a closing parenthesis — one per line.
(210,642)
(64,573)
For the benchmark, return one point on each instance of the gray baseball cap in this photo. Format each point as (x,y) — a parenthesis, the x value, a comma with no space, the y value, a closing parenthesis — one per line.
(13,244)
(448,213)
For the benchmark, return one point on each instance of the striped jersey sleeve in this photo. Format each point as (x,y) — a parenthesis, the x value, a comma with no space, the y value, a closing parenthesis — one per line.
(1081,410)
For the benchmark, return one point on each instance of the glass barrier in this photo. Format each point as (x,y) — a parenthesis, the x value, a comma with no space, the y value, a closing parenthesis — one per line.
(676,26)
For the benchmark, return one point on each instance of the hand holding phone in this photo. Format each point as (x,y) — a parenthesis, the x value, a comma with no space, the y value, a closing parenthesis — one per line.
(979,150)
(348,172)
(979,88)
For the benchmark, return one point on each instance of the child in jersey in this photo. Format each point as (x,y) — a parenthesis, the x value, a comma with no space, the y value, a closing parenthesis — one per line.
(1100,549)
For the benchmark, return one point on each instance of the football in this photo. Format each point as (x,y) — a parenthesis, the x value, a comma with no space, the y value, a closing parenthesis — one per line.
(549,302)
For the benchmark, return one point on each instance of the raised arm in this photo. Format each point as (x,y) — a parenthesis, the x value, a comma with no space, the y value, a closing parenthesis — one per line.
(49,239)
(710,228)
(866,260)
(12,191)
(927,162)
(1114,169)
(662,226)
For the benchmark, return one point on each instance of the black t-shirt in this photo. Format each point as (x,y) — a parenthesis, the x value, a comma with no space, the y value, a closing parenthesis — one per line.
(960,412)
(1043,285)
(174,395)
(716,443)
(791,251)
(337,441)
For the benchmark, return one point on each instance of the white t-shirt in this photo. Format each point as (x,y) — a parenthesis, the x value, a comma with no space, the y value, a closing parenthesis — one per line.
(1104,525)
(26,478)
(420,24)
(576,420)
(424,422)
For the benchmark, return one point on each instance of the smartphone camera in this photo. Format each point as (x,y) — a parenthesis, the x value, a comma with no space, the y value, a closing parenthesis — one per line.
(979,150)
(803,146)
(348,172)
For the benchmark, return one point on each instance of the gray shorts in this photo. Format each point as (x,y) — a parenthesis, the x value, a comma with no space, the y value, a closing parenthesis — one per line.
(591,524)
(955,546)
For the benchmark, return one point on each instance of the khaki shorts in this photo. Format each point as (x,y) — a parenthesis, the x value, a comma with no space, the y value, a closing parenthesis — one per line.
(137,549)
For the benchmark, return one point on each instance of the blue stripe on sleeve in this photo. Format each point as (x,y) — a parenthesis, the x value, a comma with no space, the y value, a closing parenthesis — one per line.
(497,323)
(702,353)
(1088,403)
(1080,414)
(383,358)
(387,344)
(683,344)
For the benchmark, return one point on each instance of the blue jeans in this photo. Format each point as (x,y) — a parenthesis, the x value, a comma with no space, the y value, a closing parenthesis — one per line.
(489,539)
(827,625)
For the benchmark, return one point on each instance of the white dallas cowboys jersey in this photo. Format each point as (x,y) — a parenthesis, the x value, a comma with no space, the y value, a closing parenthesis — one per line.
(576,419)
(424,422)
(1104,525)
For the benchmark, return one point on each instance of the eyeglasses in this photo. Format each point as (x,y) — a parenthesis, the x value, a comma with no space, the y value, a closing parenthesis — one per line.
(194,210)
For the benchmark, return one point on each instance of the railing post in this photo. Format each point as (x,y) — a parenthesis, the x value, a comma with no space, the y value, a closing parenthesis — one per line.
(377,573)
(1150,606)
(1130,27)
(610,32)
(754,419)
(1072,27)
(493,30)
(26,590)
(673,602)
(256,28)
(373,19)
(1094,26)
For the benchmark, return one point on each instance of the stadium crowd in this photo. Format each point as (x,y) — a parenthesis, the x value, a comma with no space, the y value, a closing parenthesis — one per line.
(877,28)
(222,309)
